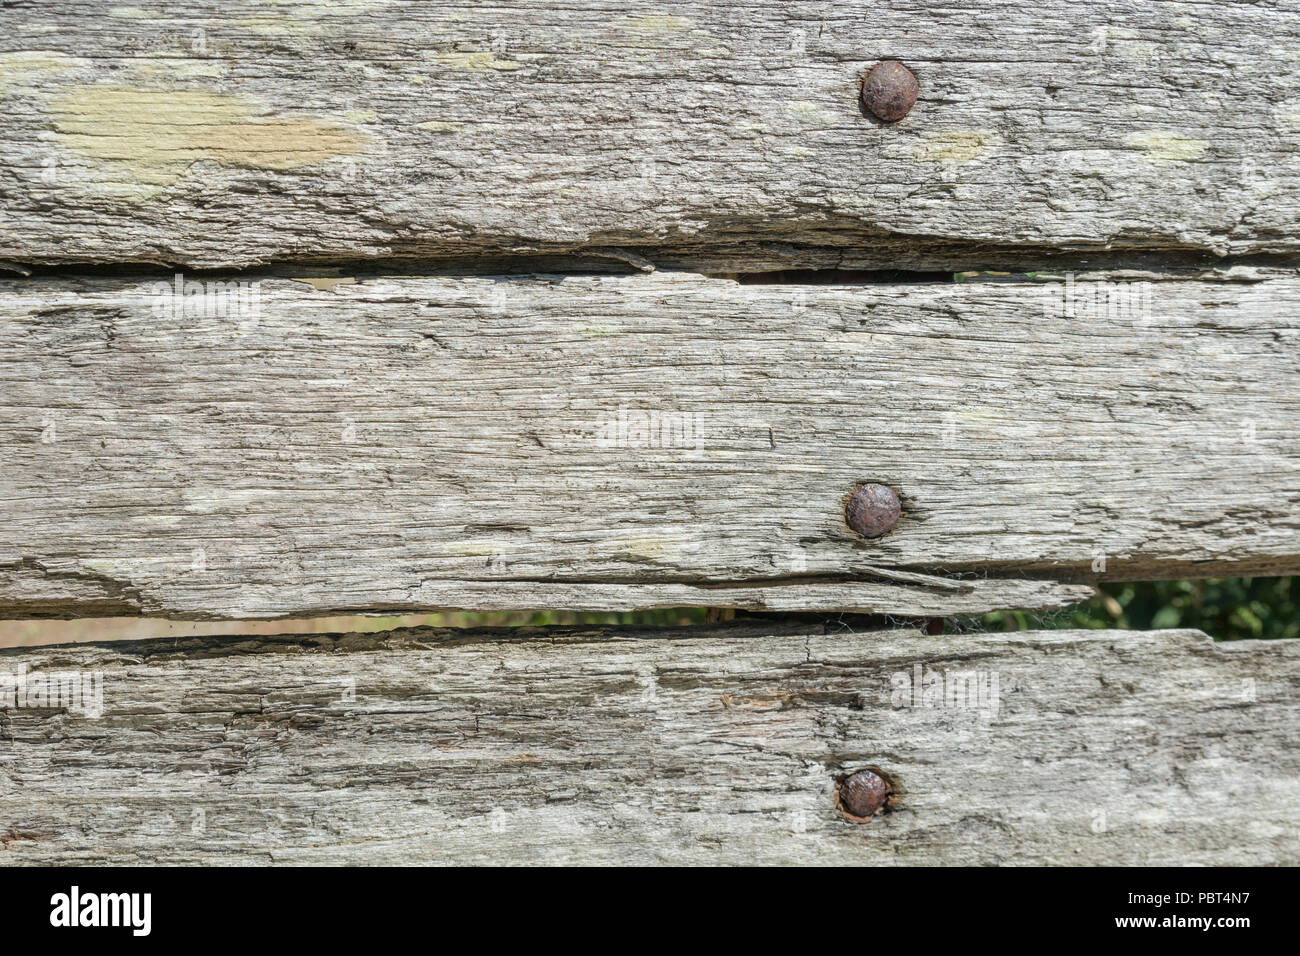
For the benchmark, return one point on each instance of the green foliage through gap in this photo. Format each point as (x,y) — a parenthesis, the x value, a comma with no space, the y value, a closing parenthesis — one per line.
(1227,609)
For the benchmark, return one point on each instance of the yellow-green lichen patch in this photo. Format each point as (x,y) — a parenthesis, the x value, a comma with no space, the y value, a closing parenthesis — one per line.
(953,146)
(172,69)
(152,136)
(1165,146)
(278,143)
(481,547)
(29,68)
(474,61)
(643,546)
(813,112)
(438,126)
(656,23)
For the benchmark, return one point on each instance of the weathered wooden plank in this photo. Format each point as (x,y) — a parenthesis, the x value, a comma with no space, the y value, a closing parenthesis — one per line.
(29,591)
(678,746)
(412,443)
(223,134)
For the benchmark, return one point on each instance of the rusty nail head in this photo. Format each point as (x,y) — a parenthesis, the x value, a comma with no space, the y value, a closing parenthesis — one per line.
(863,794)
(889,90)
(872,510)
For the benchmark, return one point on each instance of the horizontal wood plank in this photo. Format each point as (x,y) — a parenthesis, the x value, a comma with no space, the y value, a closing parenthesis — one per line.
(222,134)
(681,746)
(401,444)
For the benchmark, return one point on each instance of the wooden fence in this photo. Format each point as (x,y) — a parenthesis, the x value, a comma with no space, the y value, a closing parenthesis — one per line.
(390,308)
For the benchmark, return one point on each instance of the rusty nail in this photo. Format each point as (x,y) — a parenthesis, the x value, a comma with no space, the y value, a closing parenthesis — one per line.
(862,794)
(889,90)
(872,510)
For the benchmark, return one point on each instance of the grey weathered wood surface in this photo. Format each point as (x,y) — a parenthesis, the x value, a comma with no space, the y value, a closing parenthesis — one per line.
(225,134)
(688,745)
(412,443)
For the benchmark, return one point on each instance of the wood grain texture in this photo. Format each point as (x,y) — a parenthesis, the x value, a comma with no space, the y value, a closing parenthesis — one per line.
(400,444)
(691,745)
(704,133)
